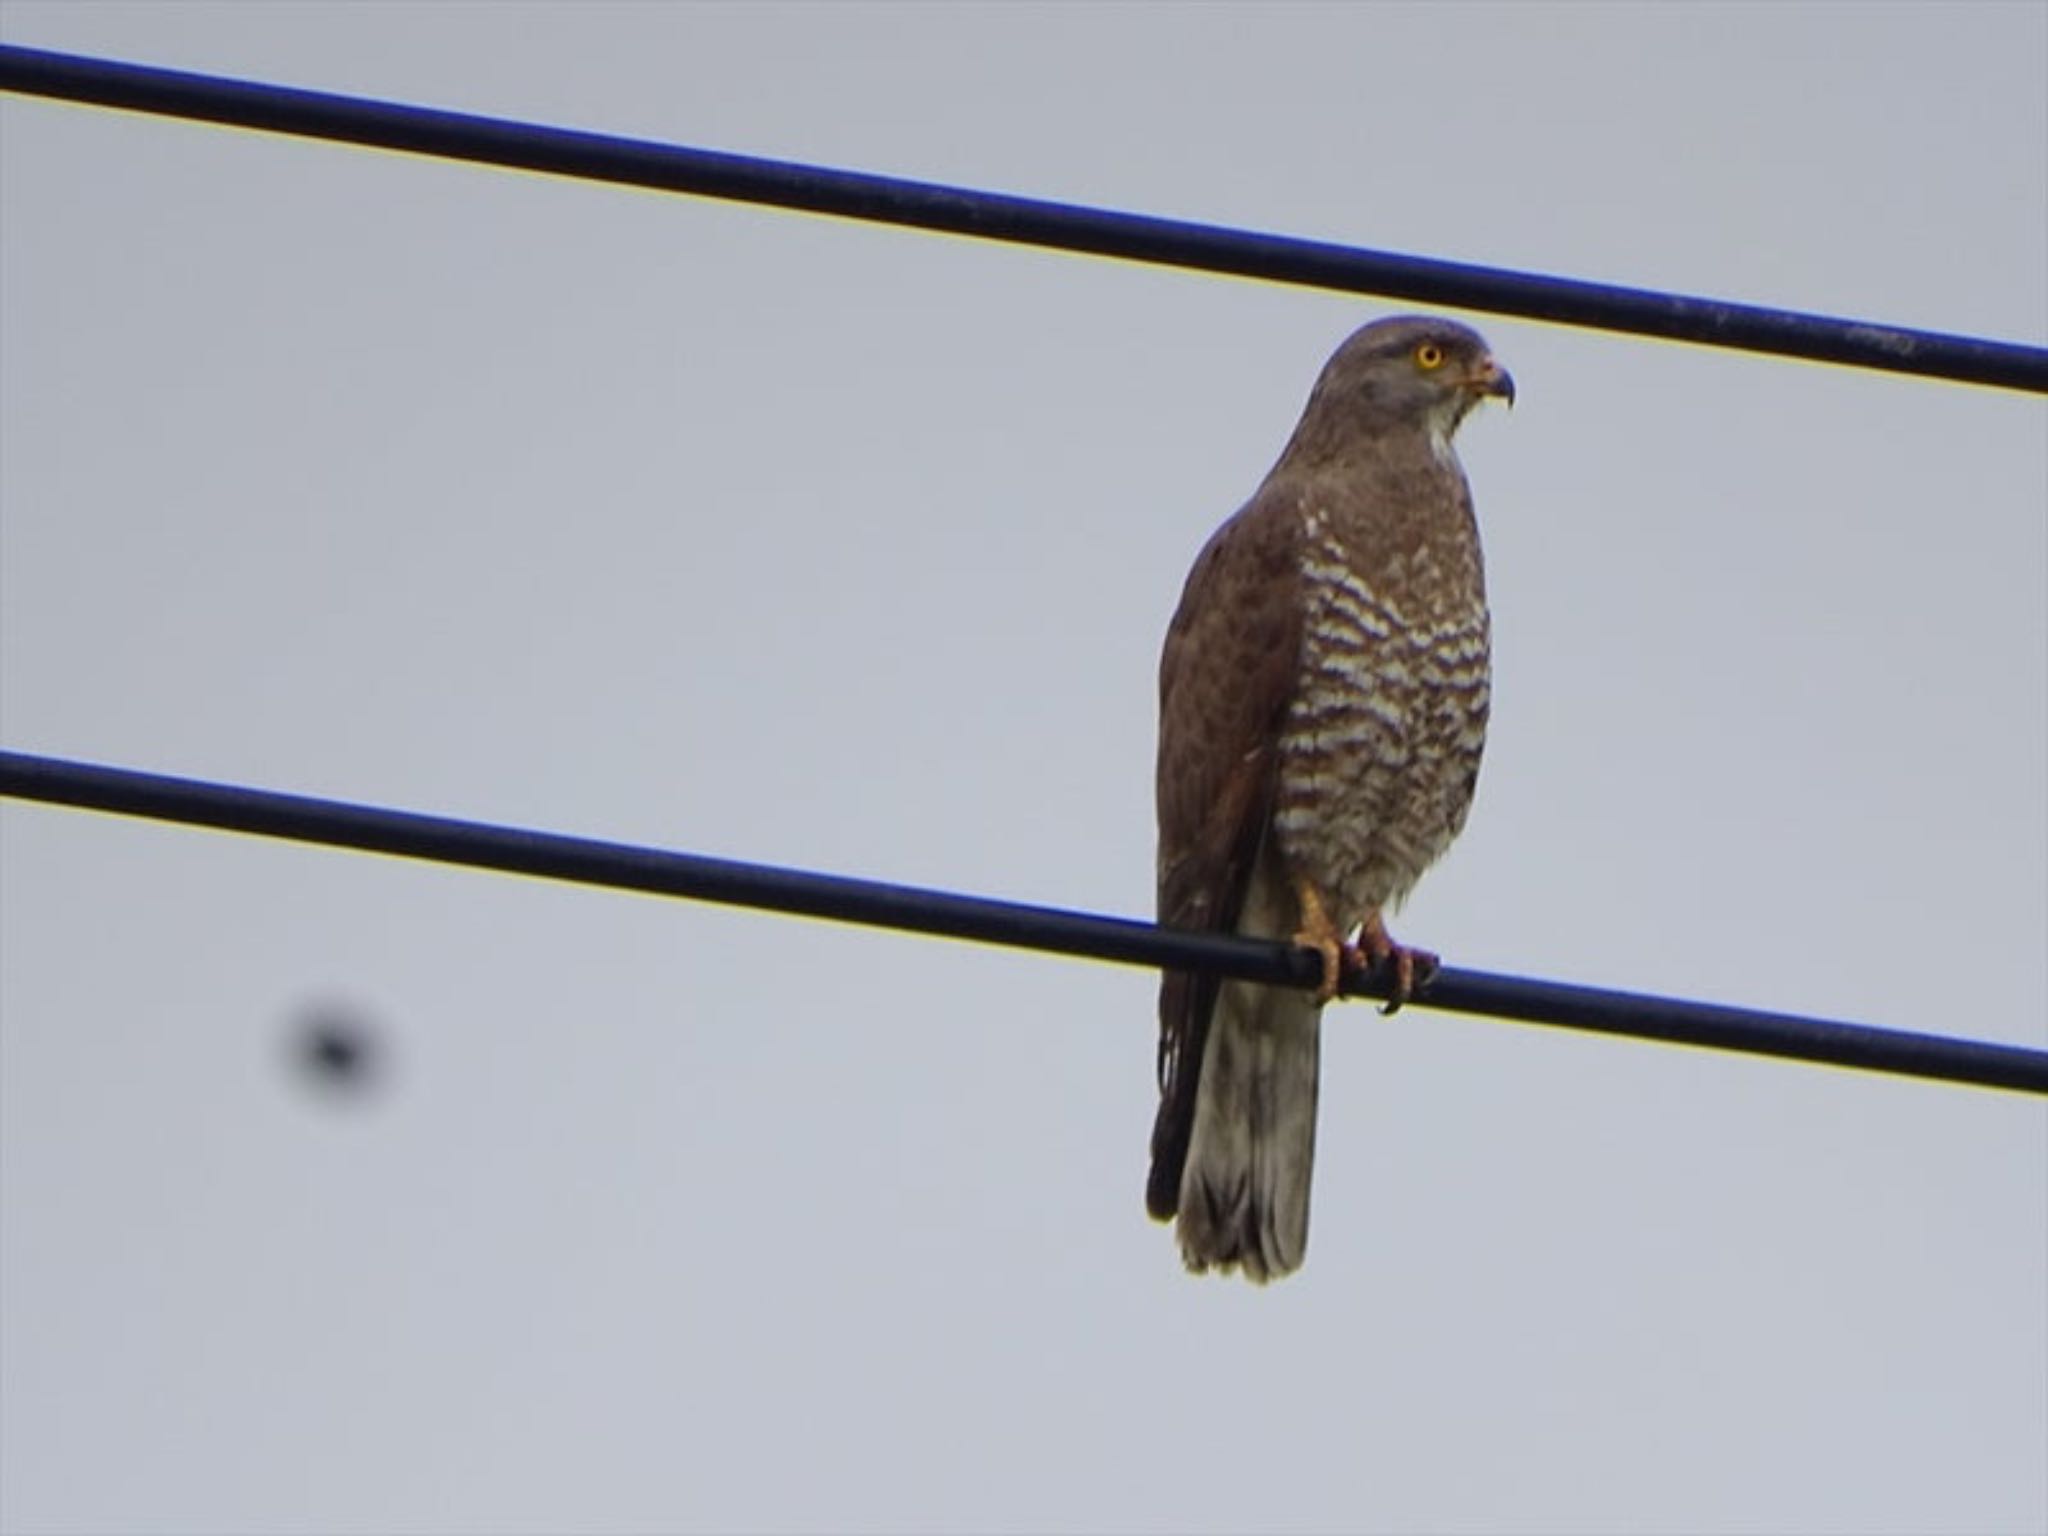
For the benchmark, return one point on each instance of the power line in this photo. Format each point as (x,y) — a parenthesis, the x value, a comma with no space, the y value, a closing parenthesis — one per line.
(1028,221)
(547,855)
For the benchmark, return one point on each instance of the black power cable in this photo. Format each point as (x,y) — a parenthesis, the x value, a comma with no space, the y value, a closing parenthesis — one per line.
(624,867)
(1028,221)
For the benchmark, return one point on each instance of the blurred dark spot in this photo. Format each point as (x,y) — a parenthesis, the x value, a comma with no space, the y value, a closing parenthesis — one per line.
(337,1051)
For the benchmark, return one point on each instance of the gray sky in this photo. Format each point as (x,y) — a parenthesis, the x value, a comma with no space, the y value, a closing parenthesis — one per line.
(808,542)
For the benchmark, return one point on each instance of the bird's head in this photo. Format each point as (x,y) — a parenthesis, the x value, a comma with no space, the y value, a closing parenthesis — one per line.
(1414,372)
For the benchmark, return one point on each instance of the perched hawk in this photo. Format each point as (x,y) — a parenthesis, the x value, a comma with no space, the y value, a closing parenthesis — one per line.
(1322,705)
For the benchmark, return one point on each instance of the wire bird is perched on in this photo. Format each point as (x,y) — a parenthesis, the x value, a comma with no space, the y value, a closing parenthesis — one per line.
(1322,706)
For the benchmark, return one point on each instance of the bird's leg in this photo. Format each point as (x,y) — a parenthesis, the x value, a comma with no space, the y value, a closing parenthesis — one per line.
(1318,933)
(1409,965)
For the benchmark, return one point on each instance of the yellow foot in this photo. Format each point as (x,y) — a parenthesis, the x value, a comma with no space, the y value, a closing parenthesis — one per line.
(1318,933)
(1411,967)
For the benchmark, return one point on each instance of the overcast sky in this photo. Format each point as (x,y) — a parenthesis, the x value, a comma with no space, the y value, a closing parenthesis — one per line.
(816,543)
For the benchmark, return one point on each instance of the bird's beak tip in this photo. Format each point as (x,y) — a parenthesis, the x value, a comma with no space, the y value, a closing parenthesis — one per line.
(1490,379)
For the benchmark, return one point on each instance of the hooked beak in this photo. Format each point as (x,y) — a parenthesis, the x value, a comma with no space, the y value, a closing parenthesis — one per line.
(1492,379)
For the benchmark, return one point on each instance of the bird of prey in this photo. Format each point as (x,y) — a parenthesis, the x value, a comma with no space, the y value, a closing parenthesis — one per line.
(1322,706)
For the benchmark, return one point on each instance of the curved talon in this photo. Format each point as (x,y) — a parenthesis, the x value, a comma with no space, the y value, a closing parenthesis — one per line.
(1404,982)
(1410,966)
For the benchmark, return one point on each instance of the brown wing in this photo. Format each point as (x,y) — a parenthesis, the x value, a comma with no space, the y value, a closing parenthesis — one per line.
(1229,667)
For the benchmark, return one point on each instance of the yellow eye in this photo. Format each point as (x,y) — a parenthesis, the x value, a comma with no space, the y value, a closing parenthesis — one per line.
(1429,355)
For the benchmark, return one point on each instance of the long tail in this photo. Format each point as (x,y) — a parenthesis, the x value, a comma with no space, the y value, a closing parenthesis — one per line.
(1244,1192)
(1250,1150)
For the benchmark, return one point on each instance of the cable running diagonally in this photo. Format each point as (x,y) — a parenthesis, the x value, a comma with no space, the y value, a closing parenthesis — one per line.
(1029,221)
(513,850)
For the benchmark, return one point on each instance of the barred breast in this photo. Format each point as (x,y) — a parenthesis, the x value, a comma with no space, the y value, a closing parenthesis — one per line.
(1380,746)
